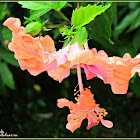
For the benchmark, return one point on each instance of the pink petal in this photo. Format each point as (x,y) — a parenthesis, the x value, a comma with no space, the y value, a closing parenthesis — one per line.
(74,50)
(88,73)
(107,123)
(61,55)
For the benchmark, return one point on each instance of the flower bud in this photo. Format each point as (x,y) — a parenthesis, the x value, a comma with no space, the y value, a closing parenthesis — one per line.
(33,28)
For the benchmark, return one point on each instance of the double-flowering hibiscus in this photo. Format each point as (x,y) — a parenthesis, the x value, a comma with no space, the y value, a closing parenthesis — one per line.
(39,54)
(114,70)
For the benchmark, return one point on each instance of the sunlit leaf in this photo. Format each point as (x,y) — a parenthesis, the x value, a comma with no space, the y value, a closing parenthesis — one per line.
(80,36)
(38,13)
(41,5)
(84,15)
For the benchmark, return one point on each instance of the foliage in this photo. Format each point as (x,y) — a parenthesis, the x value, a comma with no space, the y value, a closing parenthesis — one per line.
(41,5)
(84,15)
(6,57)
(80,36)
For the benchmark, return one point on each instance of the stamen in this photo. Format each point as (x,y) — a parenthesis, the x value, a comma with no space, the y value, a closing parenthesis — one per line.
(76,92)
(76,98)
(75,87)
(89,87)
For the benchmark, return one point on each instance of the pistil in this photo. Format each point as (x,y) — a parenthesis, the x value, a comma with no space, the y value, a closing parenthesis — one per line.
(79,78)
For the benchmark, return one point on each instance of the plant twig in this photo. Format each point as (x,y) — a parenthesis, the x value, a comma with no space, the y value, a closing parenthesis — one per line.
(63,16)
(56,25)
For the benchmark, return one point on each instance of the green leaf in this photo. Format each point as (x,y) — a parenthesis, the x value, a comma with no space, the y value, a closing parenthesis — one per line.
(41,103)
(134,85)
(135,24)
(3,8)
(58,5)
(41,5)
(38,13)
(34,5)
(126,47)
(6,75)
(56,33)
(68,5)
(80,36)
(66,42)
(8,57)
(133,5)
(136,41)
(84,15)
(101,26)
(3,90)
(6,33)
(127,20)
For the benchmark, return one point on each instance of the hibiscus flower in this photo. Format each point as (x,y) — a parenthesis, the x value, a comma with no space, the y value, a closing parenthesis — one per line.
(31,53)
(115,71)
(65,56)
(85,108)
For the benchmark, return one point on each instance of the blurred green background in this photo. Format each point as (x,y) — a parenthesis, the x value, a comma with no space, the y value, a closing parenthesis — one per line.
(28,104)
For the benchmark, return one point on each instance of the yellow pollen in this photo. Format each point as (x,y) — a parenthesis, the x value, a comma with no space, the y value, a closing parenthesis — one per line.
(89,87)
(106,113)
(74,90)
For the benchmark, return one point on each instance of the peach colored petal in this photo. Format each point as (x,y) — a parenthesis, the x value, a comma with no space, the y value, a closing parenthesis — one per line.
(48,44)
(34,67)
(60,72)
(13,24)
(135,69)
(64,102)
(30,52)
(73,124)
(115,71)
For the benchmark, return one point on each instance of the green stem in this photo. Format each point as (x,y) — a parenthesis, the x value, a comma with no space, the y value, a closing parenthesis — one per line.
(63,16)
(56,25)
